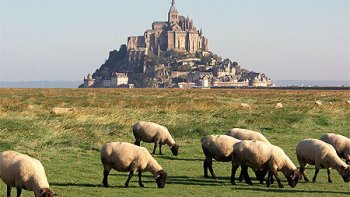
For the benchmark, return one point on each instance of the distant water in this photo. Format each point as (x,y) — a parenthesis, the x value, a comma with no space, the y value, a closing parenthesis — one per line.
(41,84)
(75,84)
(310,83)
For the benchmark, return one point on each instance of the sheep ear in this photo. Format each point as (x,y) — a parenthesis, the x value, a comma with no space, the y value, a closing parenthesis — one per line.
(343,168)
(293,175)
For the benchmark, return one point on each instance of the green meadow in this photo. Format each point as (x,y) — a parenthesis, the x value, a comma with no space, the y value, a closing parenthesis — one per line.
(67,144)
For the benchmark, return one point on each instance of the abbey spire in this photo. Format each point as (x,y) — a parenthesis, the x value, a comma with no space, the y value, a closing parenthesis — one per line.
(173,15)
(178,33)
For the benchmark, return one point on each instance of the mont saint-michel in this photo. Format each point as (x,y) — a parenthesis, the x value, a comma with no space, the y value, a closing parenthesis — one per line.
(173,54)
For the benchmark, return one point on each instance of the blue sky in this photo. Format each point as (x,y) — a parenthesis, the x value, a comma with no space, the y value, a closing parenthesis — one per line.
(66,39)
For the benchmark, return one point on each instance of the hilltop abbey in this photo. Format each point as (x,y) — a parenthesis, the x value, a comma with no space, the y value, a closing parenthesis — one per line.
(178,33)
(173,54)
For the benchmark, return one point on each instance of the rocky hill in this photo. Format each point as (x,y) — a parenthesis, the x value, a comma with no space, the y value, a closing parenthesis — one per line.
(173,69)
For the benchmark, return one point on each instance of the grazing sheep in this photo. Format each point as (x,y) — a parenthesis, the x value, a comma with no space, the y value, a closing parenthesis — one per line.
(23,172)
(245,106)
(318,103)
(262,156)
(279,106)
(151,132)
(322,155)
(61,111)
(348,102)
(220,148)
(126,157)
(340,143)
(245,134)
(30,106)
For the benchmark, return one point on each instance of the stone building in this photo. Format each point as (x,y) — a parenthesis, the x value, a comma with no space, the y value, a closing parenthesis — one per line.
(120,79)
(178,33)
(88,81)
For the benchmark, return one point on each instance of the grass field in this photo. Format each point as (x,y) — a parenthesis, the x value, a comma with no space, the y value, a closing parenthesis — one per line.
(66,143)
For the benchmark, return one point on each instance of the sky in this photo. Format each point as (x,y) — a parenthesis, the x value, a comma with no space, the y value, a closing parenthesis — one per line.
(67,39)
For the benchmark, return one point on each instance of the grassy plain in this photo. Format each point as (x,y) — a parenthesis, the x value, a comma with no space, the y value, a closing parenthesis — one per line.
(65,143)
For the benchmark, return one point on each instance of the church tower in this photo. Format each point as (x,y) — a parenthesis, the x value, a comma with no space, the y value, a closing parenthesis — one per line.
(173,15)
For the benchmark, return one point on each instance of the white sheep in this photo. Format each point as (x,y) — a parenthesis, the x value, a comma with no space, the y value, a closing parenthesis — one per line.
(245,134)
(220,148)
(322,155)
(245,106)
(318,103)
(23,172)
(266,157)
(279,106)
(151,132)
(61,111)
(340,143)
(126,157)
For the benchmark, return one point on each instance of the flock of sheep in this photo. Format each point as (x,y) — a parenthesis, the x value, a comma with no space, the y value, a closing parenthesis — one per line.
(247,148)
(243,148)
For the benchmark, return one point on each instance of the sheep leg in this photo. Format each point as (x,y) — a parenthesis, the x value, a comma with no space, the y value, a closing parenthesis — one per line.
(246,175)
(105,177)
(137,142)
(155,147)
(315,176)
(241,177)
(9,191)
(233,174)
(205,168)
(19,192)
(280,185)
(269,177)
(160,149)
(303,165)
(347,162)
(210,165)
(302,173)
(329,175)
(271,180)
(126,185)
(140,181)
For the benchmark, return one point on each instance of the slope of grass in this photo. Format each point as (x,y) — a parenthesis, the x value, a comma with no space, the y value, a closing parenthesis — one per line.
(65,143)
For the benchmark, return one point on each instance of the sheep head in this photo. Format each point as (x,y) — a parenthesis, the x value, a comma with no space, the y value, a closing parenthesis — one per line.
(175,149)
(46,192)
(293,178)
(345,173)
(161,180)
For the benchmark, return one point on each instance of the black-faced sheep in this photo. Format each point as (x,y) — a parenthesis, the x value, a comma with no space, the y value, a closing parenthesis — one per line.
(23,172)
(340,143)
(266,157)
(126,157)
(220,148)
(245,134)
(154,133)
(322,155)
